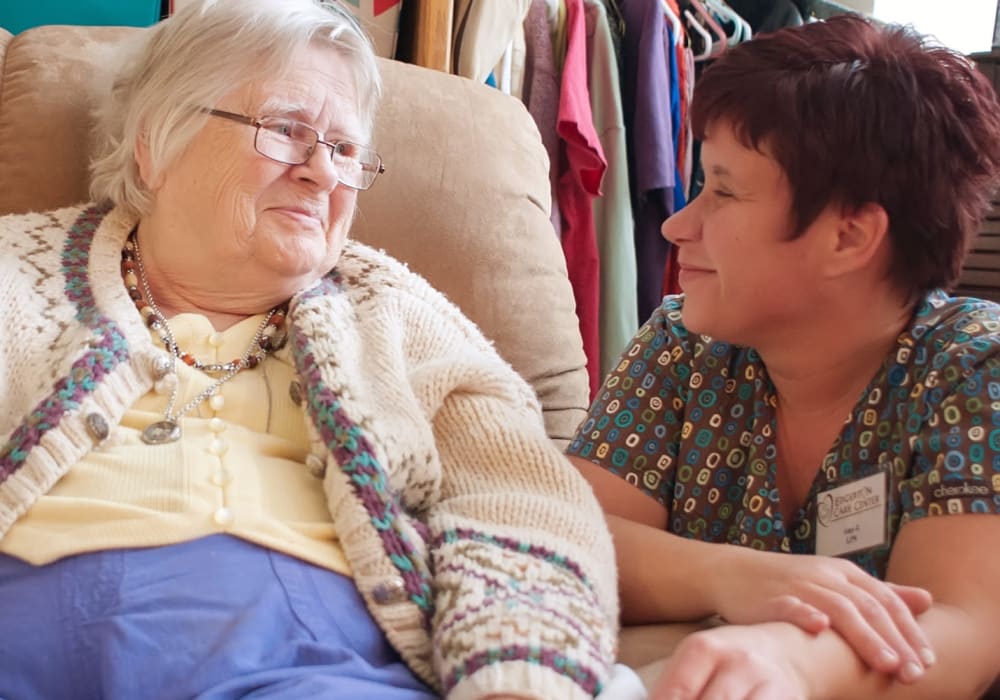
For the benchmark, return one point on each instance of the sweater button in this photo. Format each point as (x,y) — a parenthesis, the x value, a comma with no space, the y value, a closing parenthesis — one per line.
(97,426)
(391,590)
(295,393)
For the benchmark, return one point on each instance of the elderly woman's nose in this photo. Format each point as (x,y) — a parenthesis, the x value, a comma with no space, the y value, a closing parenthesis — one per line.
(318,168)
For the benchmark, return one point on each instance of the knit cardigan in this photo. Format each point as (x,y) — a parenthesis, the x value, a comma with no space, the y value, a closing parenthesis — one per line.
(478,549)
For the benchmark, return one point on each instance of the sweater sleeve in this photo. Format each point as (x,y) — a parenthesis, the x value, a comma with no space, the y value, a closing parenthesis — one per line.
(445,483)
(523,565)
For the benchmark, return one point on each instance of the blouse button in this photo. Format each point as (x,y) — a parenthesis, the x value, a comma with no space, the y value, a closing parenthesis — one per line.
(217,402)
(162,366)
(295,393)
(223,517)
(216,425)
(218,447)
(316,465)
(215,340)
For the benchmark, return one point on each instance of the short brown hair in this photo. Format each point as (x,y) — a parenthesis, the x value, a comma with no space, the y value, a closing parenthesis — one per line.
(854,113)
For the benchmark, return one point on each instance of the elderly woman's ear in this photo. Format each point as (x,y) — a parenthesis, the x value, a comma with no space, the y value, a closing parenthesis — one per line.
(144,162)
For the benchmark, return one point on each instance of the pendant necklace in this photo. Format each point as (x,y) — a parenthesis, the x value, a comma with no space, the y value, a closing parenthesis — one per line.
(269,336)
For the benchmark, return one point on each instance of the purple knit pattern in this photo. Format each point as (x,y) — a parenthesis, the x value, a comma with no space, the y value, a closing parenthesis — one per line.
(509,543)
(583,676)
(356,457)
(528,595)
(107,348)
(549,658)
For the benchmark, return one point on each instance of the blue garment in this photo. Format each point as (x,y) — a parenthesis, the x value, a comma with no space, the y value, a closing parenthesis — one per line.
(217,618)
(680,196)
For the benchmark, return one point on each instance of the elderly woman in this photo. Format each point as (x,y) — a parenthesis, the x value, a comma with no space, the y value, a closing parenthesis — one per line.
(242,456)
(805,443)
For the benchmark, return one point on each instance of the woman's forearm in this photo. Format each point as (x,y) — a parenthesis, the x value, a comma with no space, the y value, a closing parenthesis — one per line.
(966,662)
(663,577)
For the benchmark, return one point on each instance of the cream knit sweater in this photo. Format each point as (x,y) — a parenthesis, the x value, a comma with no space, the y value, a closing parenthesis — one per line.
(478,549)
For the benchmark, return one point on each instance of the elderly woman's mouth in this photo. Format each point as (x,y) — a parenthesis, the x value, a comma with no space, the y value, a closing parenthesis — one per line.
(298,214)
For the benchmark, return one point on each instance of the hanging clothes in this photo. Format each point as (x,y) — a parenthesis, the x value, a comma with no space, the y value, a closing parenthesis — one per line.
(613,223)
(541,92)
(646,95)
(482,30)
(582,167)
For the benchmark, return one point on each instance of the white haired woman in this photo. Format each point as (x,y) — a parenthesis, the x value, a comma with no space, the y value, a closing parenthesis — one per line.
(250,457)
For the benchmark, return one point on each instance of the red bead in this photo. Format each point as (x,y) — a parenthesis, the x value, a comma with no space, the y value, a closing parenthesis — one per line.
(253,361)
(188,360)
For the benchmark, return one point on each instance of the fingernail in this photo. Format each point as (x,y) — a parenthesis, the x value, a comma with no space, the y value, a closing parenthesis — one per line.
(912,671)
(927,656)
(887,656)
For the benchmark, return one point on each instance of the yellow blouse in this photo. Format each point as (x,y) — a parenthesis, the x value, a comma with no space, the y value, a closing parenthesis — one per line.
(240,468)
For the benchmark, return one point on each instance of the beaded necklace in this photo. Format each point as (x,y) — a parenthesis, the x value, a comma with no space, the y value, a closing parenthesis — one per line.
(267,338)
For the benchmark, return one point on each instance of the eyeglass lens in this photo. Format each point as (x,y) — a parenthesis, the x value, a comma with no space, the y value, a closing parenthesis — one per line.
(292,142)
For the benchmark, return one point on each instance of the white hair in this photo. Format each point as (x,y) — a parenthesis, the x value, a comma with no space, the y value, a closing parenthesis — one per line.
(193,59)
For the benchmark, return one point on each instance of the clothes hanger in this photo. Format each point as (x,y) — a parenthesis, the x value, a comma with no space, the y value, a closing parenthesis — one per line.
(695,25)
(675,22)
(746,33)
(719,43)
(726,13)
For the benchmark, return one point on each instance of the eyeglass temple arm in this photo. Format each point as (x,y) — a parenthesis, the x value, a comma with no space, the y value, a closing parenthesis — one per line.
(232,116)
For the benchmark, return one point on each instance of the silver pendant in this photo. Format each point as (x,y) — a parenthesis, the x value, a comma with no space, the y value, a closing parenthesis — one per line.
(161,432)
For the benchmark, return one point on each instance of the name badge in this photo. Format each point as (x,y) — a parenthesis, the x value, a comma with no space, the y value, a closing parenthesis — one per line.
(851,517)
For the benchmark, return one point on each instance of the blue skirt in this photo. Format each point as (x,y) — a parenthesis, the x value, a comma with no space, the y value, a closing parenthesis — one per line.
(214,619)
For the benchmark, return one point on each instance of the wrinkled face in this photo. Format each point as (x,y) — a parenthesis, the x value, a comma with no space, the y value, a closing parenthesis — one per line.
(743,275)
(254,218)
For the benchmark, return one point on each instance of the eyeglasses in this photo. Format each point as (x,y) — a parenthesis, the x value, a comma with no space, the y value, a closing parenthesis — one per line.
(293,143)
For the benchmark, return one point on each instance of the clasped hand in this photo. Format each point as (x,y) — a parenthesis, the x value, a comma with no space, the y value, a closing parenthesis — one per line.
(876,619)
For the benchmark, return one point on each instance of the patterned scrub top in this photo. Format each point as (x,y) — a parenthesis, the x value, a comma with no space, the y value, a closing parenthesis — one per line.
(690,421)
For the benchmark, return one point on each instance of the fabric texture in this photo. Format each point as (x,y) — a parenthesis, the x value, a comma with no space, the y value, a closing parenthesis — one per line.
(431,442)
(236,620)
(691,422)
